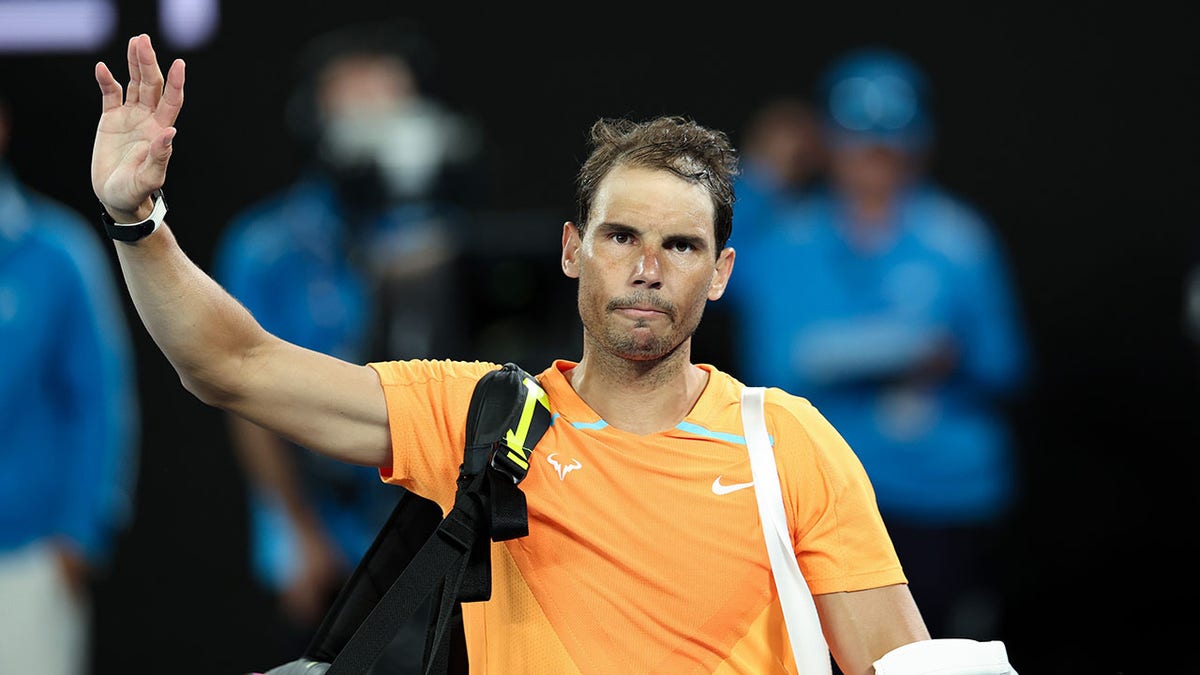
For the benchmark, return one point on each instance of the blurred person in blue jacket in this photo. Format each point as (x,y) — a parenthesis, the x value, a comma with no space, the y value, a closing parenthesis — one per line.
(356,259)
(887,302)
(783,160)
(69,421)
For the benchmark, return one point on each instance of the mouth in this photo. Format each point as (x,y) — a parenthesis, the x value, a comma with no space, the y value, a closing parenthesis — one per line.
(642,308)
(640,313)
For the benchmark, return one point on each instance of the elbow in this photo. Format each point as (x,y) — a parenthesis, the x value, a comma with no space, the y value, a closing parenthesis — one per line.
(216,385)
(221,377)
(208,392)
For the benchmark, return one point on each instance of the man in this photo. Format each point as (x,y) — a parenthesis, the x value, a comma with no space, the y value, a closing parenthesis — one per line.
(783,158)
(324,263)
(888,301)
(68,410)
(634,561)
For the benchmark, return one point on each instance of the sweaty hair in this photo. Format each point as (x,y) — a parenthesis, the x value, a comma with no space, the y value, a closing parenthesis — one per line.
(694,153)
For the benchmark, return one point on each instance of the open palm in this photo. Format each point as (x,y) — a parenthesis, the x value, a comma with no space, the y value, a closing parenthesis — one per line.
(133,138)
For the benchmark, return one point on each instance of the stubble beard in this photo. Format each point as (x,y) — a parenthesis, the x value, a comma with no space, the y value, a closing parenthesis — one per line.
(629,345)
(637,343)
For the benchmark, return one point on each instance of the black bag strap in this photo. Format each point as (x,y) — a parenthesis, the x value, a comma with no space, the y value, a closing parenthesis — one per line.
(509,413)
(412,521)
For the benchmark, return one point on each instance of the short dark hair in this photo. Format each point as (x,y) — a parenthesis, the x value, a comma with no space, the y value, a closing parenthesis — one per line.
(676,144)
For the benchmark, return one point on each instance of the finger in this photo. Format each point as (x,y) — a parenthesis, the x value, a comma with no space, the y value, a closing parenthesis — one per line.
(151,84)
(133,90)
(172,100)
(110,89)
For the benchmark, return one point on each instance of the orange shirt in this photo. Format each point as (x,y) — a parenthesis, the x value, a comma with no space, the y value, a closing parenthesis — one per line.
(644,552)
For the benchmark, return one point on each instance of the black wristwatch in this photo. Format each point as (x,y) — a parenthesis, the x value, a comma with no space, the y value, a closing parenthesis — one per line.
(135,231)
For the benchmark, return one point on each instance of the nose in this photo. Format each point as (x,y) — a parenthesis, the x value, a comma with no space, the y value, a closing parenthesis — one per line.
(648,271)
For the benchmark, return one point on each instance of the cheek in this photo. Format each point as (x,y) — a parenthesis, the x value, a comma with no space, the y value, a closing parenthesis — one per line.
(589,289)
(597,273)
(700,286)
(716,286)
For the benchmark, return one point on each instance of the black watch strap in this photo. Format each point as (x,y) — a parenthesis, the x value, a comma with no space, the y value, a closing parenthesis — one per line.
(136,231)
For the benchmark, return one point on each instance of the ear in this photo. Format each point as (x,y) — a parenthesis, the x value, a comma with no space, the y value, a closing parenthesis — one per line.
(721,273)
(570,250)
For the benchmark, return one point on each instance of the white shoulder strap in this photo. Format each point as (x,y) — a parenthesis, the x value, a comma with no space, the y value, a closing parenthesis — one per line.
(945,656)
(803,625)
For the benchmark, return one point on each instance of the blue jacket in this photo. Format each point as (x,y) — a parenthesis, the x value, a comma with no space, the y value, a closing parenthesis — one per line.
(844,328)
(294,262)
(69,414)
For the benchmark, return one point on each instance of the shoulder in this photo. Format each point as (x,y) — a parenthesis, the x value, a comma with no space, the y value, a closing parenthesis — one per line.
(799,430)
(803,225)
(431,372)
(788,416)
(278,217)
(62,234)
(949,225)
(788,410)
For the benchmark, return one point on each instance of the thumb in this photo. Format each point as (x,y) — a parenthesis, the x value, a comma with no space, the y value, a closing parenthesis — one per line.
(155,164)
(161,150)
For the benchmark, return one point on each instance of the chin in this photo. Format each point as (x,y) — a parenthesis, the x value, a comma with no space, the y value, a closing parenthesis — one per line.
(653,349)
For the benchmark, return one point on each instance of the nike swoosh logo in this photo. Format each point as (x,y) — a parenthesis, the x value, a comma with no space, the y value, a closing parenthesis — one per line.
(720,488)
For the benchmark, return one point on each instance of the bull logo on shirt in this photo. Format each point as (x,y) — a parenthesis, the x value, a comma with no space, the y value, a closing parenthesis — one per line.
(563,469)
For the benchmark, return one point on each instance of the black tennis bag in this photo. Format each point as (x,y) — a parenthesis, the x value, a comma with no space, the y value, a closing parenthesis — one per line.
(420,559)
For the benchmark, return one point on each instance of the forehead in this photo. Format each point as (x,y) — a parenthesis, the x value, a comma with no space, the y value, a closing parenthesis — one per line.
(652,198)
(363,78)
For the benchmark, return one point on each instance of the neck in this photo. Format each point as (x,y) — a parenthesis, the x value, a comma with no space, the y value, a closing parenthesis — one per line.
(641,397)
(870,222)
(872,207)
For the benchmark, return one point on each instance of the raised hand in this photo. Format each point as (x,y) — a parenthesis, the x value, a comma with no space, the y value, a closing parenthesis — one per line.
(133,138)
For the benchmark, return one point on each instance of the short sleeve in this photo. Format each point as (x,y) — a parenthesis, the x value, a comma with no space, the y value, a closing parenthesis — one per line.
(427,405)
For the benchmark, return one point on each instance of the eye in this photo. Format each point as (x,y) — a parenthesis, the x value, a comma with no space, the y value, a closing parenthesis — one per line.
(622,237)
(681,246)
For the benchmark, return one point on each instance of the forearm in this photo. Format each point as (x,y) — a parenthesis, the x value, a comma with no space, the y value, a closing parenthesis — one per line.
(862,626)
(221,353)
(201,329)
(869,350)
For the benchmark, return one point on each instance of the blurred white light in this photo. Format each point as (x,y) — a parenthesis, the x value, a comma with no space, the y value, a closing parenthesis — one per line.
(188,23)
(55,25)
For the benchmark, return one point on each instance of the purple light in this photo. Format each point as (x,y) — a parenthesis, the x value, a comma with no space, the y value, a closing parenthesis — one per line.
(188,23)
(55,25)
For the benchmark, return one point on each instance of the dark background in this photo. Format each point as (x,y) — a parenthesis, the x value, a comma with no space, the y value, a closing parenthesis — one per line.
(1074,131)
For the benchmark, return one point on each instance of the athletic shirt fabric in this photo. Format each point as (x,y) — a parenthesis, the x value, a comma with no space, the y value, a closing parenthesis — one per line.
(644,552)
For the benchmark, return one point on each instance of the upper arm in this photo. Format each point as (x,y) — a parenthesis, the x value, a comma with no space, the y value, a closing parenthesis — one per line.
(862,626)
(318,401)
(841,543)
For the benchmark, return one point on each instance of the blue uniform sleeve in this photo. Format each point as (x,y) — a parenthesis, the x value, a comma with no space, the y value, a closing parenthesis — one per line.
(100,406)
(236,267)
(995,352)
(245,264)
